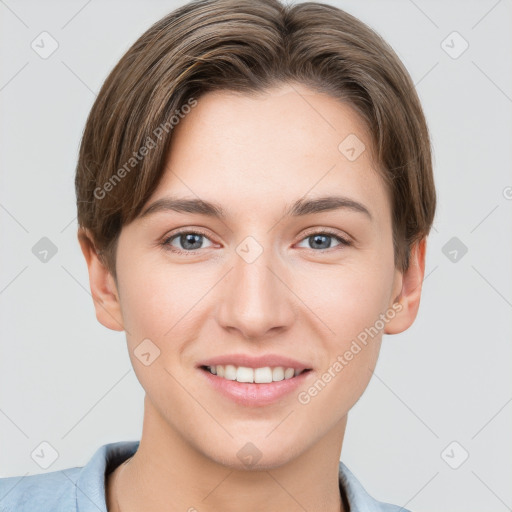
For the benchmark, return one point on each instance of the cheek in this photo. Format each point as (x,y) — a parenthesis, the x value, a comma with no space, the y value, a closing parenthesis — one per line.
(350,305)
(155,302)
(151,292)
(353,304)
(161,301)
(144,309)
(347,298)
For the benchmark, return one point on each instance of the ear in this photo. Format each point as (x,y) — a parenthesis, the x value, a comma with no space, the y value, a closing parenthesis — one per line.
(408,291)
(103,287)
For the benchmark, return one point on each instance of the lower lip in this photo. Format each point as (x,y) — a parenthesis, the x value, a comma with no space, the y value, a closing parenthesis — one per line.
(245,393)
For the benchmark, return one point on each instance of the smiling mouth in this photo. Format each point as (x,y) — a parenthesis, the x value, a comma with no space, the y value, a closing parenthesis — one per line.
(265,375)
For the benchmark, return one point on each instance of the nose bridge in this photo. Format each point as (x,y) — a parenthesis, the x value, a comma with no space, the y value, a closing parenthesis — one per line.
(254,299)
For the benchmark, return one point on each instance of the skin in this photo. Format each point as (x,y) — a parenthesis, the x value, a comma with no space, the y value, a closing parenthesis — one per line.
(254,155)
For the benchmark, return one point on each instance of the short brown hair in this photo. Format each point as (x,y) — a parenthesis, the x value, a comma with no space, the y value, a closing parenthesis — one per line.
(248,46)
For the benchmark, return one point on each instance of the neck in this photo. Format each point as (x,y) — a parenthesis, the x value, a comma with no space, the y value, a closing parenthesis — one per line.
(168,473)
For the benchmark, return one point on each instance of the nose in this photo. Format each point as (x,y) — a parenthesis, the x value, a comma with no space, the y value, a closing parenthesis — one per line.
(255,298)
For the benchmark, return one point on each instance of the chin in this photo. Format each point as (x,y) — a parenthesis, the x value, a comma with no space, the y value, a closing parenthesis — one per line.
(260,454)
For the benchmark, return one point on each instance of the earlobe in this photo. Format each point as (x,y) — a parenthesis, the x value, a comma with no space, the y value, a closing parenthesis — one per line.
(407,304)
(103,288)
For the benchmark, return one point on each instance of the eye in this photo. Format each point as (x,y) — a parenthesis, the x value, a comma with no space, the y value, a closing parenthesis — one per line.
(321,240)
(189,241)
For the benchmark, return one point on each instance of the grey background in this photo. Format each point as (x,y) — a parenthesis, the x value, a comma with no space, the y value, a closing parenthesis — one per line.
(66,380)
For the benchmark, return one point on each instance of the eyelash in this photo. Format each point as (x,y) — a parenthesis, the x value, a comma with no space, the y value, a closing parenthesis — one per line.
(166,242)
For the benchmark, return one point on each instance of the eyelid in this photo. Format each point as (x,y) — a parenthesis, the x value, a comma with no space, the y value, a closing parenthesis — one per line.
(327,231)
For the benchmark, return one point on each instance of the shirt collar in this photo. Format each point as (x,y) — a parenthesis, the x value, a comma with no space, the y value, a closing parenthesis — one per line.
(90,485)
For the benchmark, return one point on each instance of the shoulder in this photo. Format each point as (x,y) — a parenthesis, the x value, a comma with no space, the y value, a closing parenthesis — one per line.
(67,490)
(54,491)
(357,496)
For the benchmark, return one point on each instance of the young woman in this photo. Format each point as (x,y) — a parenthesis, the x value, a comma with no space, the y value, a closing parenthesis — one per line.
(254,192)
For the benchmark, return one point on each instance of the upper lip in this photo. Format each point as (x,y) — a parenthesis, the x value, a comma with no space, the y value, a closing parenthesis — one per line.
(248,361)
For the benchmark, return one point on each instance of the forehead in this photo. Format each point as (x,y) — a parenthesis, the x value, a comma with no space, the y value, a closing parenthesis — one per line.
(249,152)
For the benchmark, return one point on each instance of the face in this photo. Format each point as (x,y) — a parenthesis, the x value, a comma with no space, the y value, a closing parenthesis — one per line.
(260,279)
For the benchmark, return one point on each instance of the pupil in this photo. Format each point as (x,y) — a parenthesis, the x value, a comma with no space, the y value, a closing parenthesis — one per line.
(319,238)
(189,238)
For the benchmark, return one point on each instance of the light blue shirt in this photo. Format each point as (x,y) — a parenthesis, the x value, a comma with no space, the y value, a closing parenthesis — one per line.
(83,488)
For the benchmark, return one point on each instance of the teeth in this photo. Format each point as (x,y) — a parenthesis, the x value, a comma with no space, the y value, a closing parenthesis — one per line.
(254,375)
(278,373)
(230,372)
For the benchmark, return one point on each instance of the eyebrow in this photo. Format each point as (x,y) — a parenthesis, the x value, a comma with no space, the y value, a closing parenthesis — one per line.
(299,208)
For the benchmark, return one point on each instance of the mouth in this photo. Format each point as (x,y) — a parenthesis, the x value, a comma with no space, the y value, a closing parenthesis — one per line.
(255,387)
